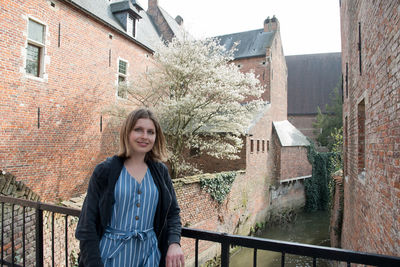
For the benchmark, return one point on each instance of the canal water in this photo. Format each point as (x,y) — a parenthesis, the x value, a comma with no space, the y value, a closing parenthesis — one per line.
(308,228)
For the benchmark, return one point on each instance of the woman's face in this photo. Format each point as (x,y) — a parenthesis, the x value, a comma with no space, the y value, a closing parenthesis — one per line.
(142,136)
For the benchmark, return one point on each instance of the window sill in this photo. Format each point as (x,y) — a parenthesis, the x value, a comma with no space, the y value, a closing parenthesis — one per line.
(39,79)
(121,98)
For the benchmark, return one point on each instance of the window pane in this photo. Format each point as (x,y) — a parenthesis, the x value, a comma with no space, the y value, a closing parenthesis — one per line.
(122,87)
(121,79)
(35,31)
(129,26)
(122,67)
(32,59)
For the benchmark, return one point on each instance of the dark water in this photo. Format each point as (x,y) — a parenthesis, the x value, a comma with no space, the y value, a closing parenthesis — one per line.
(308,228)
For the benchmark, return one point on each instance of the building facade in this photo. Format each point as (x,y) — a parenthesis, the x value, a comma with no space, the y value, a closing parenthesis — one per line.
(371,115)
(311,83)
(61,63)
(64,62)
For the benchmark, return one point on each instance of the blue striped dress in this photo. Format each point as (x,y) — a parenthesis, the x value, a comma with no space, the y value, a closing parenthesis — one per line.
(130,240)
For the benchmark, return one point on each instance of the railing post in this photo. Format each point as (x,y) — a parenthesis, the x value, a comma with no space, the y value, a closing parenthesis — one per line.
(196,255)
(39,236)
(225,251)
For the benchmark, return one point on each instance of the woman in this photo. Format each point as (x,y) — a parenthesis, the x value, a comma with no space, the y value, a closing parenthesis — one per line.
(130,216)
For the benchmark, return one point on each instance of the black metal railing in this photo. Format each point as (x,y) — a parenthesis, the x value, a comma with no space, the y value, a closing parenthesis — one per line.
(10,224)
(314,252)
(226,240)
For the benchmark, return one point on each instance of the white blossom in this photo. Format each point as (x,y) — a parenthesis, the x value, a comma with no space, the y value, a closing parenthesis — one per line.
(200,97)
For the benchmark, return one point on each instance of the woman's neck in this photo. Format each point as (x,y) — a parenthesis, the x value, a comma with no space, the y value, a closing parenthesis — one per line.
(135,160)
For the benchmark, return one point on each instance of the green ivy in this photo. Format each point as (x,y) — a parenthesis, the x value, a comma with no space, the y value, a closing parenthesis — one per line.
(319,187)
(219,186)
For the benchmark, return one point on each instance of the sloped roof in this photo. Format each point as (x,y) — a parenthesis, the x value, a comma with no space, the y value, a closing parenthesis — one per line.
(251,43)
(288,135)
(146,32)
(311,80)
(173,24)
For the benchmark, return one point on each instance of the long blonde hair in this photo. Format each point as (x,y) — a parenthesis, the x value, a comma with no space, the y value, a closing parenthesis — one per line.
(158,152)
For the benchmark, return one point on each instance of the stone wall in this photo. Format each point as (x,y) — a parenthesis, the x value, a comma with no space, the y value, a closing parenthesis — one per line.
(371,115)
(251,200)
(13,216)
(15,220)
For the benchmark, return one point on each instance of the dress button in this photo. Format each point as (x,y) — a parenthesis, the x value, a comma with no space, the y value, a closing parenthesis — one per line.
(137,218)
(138,205)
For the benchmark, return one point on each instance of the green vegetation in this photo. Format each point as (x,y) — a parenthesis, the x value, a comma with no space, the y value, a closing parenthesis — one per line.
(219,186)
(330,121)
(318,188)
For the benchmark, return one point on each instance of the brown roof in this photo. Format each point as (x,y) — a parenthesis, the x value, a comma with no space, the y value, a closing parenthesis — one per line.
(311,80)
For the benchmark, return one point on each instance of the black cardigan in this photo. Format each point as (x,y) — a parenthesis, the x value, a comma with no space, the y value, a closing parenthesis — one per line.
(97,210)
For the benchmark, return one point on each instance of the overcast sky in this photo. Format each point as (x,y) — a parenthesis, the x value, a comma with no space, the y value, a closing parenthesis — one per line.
(307,26)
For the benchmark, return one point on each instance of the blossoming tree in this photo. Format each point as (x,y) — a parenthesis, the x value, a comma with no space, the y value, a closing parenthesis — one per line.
(201,98)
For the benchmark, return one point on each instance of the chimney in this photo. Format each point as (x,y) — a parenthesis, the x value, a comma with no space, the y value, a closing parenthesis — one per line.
(271,24)
(179,20)
(152,4)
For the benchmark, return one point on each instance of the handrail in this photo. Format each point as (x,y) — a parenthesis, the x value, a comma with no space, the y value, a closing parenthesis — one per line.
(41,206)
(226,240)
(294,248)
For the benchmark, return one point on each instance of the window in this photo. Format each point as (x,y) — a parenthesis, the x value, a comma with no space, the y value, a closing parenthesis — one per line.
(267,145)
(122,71)
(34,49)
(347,80)
(251,146)
(263,146)
(359,48)
(346,145)
(361,136)
(258,145)
(131,26)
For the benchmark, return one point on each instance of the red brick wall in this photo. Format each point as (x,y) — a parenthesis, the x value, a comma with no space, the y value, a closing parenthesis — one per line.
(278,79)
(294,162)
(290,162)
(304,123)
(58,157)
(371,198)
(261,68)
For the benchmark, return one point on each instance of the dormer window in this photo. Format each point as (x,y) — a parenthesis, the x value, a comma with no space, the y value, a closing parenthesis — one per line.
(127,12)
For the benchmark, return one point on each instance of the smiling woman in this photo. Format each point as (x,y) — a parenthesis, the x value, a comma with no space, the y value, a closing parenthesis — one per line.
(130,216)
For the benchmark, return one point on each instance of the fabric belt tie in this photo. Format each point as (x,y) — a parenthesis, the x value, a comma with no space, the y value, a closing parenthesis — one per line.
(123,237)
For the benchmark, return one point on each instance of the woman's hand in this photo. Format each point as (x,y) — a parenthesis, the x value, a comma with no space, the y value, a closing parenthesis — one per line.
(175,256)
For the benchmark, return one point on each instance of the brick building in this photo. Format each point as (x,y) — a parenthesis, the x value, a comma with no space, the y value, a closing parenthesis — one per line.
(371,115)
(60,65)
(311,82)
(260,51)
(62,62)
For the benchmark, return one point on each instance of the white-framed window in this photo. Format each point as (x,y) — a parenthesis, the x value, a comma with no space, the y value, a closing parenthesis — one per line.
(131,26)
(122,78)
(35,48)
